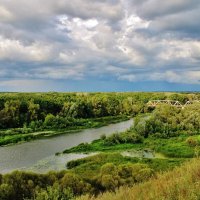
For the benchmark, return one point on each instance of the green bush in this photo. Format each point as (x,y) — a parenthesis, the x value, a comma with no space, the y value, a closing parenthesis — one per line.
(54,193)
(192,142)
(123,138)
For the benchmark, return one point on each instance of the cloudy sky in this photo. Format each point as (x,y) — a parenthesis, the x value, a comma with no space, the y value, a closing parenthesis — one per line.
(99,45)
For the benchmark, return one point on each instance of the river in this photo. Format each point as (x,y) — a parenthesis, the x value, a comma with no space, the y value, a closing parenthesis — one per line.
(39,155)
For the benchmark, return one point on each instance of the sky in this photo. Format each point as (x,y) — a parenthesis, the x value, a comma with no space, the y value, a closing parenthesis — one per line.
(99,45)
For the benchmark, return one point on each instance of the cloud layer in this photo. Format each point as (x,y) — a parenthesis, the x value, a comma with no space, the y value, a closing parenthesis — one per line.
(121,40)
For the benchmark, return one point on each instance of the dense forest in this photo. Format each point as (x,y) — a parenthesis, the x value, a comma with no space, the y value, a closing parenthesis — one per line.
(37,109)
(24,113)
(170,131)
(59,110)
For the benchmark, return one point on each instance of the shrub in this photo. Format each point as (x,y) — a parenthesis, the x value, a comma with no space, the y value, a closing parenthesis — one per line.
(53,193)
(75,183)
(123,138)
(192,142)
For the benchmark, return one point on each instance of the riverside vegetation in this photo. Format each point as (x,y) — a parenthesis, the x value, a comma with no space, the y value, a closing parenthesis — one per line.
(28,116)
(170,131)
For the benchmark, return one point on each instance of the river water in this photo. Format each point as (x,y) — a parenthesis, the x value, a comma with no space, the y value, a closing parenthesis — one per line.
(39,155)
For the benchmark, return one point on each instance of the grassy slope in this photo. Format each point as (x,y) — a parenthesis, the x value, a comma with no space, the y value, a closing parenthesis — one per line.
(182,183)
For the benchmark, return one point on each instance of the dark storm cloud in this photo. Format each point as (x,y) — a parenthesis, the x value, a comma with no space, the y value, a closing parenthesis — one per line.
(181,22)
(172,15)
(40,11)
(151,9)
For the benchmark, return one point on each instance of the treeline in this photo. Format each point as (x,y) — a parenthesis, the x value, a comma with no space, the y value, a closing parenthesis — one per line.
(66,185)
(33,109)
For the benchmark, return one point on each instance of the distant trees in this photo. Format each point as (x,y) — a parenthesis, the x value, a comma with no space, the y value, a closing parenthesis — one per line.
(9,115)
(31,110)
(167,121)
(19,109)
(179,97)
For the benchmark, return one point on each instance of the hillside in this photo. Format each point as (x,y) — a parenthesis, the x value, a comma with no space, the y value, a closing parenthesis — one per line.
(181,183)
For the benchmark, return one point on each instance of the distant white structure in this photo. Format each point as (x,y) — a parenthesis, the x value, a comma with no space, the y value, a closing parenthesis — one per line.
(154,103)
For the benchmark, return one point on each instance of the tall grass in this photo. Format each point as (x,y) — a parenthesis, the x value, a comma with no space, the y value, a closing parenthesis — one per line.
(182,183)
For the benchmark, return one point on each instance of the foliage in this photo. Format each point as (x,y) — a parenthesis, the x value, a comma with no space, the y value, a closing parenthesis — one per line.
(123,138)
(89,167)
(54,193)
(17,109)
(35,112)
(168,130)
(168,121)
(181,183)
(110,172)
(191,141)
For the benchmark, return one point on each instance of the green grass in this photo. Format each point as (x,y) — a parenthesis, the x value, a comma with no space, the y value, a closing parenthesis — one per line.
(175,147)
(89,167)
(98,145)
(15,138)
(175,151)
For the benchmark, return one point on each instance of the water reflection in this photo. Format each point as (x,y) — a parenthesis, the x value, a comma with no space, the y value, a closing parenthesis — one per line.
(27,155)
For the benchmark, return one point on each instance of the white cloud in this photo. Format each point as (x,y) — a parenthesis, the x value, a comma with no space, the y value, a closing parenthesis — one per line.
(15,50)
(187,50)
(155,8)
(5,15)
(74,73)
(192,77)
(34,10)
(126,40)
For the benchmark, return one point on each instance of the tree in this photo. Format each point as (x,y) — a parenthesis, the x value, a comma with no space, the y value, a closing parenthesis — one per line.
(109,177)
(74,183)
(7,192)
(49,120)
(10,114)
(33,110)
